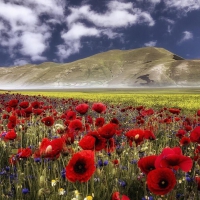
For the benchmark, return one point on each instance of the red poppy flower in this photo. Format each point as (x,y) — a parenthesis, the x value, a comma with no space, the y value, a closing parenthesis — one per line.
(147,112)
(161,181)
(24,152)
(68,138)
(99,122)
(5,116)
(24,104)
(38,111)
(99,107)
(174,111)
(87,142)
(48,121)
(147,164)
(75,125)
(198,113)
(188,128)
(92,141)
(10,135)
(174,159)
(81,166)
(149,135)
(116,196)
(70,115)
(89,119)
(197,180)
(195,135)
(51,148)
(28,111)
(185,141)
(13,103)
(8,109)
(114,121)
(136,135)
(108,130)
(180,133)
(99,141)
(35,104)
(11,125)
(82,108)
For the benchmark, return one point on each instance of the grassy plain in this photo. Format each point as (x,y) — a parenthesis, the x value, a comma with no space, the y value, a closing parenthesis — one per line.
(187,99)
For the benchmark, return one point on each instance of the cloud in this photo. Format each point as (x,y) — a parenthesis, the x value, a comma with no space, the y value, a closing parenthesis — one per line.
(186,36)
(117,15)
(24,29)
(20,62)
(150,43)
(72,39)
(183,5)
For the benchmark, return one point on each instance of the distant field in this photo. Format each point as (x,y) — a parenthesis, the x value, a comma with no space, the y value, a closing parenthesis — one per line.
(187,99)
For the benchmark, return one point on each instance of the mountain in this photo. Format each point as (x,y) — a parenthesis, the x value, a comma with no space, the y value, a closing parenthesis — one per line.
(143,67)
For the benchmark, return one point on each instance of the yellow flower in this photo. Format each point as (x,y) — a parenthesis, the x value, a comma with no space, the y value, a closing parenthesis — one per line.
(88,198)
(61,191)
(53,183)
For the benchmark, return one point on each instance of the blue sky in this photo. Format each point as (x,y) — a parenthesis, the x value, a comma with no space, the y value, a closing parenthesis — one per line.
(36,31)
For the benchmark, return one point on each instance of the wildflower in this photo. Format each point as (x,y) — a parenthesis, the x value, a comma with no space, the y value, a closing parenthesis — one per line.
(116,196)
(180,133)
(161,181)
(24,152)
(147,164)
(25,190)
(75,125)
(99,122)
(51,149)
(195,135)
(99,107)
(10,135)
(53,183)
(82,108)
(173,158)
(24,104)
(48,121)
(81,166)
(174,110)
(13,103)
(70,115)
(89,197)
(61,191)
(107,131)
(136,135)
(87,142)
(35,104)
(185,141)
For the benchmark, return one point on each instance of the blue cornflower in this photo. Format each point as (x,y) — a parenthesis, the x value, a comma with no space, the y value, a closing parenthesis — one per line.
(25,190)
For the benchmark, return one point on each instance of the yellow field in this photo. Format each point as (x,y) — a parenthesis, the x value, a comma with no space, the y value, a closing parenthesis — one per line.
(185,100)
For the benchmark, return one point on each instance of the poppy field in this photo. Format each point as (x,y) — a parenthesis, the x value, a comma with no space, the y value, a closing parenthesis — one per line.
(132,147)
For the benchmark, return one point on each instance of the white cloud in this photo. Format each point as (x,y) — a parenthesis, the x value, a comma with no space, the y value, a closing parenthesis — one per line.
(150,43)
(33,44)
(72,39)
(24,30)
(183,5)
(186,36)
(20,62)
(118,15)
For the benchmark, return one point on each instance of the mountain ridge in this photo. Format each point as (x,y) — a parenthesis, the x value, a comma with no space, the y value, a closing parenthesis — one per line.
(143,67)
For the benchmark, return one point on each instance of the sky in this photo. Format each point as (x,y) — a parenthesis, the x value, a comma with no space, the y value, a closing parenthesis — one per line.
(36,31)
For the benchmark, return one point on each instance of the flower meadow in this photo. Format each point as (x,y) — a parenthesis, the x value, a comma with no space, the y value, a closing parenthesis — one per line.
(75,149)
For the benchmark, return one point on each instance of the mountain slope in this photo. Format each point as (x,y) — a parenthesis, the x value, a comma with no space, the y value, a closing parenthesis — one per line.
(149,67)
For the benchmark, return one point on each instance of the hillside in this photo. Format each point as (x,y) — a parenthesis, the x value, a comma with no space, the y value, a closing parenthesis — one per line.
(144,67)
